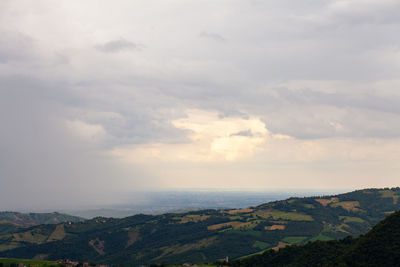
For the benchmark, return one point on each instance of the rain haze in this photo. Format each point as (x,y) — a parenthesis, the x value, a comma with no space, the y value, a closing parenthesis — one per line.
(100,99)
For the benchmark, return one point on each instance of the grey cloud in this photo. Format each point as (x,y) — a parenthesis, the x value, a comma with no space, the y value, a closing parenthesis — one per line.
(301,113)
(363,101)
(130,115)
(15,46)
(244,133)
(41,161)
(212,36)
(118,46)
(365,12)
(306,113)
(226,112)
(310,114)
(269,41)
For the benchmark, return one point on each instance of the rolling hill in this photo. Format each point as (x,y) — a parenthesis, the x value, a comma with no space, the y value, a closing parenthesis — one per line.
(379,247)
(207,235)
(26,219)
(13,222)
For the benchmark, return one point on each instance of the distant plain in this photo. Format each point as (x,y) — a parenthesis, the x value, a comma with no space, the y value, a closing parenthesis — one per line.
(158,202)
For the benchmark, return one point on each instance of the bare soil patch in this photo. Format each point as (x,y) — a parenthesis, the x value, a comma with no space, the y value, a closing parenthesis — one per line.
(324,202)
(275,227)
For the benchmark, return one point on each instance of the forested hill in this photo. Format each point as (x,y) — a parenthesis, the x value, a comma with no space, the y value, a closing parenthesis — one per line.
(36,218)
(12,222)
(379,247)
(207,235)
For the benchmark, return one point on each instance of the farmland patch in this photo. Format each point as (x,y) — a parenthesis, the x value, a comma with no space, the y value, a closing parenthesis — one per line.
(192,218)
(280,245)
(227,224)
(280,215)
(324,202)
(58,233)
(133,236)
(179,249)
(294,239)
(275,227)
(348,205)
(29,236)
(261,245)
(390,194)
(321,237)
(235,225)
(239,211)
(347,219)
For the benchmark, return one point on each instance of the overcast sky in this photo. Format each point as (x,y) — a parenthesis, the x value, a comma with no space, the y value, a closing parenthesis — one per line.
(99,98)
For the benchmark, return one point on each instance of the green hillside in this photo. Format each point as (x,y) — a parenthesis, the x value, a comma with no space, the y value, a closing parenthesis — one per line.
(26,219)
(11,262)
(379,247)
(12,223)
(207,235)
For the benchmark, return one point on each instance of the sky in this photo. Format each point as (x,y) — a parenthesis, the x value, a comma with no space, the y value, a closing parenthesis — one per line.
(102,98)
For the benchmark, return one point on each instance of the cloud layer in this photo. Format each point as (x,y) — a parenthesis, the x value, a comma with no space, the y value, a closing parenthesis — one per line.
(103,97)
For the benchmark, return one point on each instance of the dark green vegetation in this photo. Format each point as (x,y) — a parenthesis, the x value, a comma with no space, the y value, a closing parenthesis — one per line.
(379,247)
(11,222)
(207,235)
(6,262)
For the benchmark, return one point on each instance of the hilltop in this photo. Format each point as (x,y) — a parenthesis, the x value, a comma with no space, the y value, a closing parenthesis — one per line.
(26,219)
(12,222)
(206,235)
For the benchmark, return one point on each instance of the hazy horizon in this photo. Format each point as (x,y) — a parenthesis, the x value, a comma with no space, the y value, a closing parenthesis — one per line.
(163,201)
(100,98)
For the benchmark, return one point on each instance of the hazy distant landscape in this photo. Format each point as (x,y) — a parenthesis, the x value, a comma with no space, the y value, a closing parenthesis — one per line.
(201,235)
(183,201)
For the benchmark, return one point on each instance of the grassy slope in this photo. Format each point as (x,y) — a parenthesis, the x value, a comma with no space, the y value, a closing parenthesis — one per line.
(28,262)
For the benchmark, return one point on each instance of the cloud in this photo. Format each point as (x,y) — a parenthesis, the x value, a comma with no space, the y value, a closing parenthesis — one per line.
(333,114)
(230,139)
(212,139)
(119,45)
(15,46)
(294,89)
(365,12)
(212,36)
(90,132)
(243,133)
(48,159)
